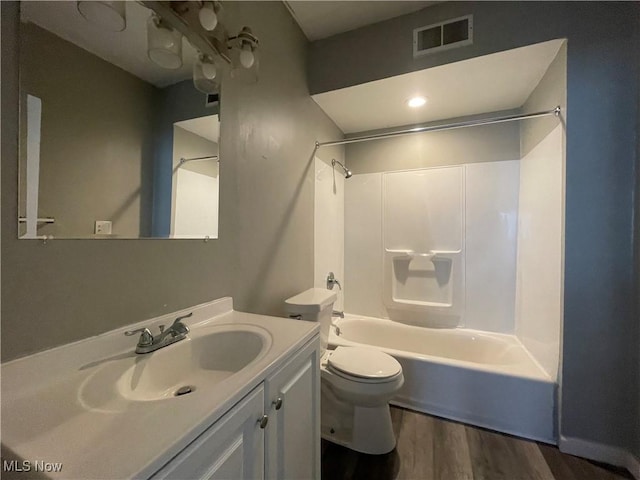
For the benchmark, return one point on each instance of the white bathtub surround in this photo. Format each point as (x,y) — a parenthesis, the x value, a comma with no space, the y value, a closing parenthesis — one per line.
(363,245)
(471,208)
(485,379)
(539,285)
(194,191)
(491,226)
(423,254)
(196,183)
(329,226)
(494,380)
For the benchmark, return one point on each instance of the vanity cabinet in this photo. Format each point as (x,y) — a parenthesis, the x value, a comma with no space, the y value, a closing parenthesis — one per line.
(233,447)
(292,402)
(273,432)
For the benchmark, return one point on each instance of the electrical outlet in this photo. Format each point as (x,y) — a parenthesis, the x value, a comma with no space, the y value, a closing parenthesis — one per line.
(102,227)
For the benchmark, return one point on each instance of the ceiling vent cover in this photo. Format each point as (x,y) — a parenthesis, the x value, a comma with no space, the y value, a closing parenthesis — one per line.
(454,33)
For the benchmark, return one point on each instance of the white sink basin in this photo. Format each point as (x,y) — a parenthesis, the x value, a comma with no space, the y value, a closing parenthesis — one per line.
(93,401)
(201,361)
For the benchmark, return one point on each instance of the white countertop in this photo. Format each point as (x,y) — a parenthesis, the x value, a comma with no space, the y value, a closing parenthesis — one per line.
(49,416)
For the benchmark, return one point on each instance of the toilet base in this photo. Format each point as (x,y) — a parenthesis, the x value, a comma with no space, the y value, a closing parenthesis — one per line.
(363,429)
(372,430)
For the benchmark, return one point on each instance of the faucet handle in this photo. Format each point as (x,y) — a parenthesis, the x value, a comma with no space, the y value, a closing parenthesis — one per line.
(180,327)
(177,320)
(145,336)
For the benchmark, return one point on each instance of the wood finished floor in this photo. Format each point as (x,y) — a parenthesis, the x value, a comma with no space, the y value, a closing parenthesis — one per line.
(431,448)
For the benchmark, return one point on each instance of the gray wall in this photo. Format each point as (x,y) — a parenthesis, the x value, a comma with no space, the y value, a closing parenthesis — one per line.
(97,123)
(637,263)
(489,143)
(600,349)
(72,289)
(268,133)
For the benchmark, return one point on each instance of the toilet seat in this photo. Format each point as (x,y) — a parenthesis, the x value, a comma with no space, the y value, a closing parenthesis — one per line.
(363,365)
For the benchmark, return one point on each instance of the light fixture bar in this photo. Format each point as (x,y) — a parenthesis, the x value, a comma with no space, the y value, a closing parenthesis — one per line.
(206,44)
(435,128)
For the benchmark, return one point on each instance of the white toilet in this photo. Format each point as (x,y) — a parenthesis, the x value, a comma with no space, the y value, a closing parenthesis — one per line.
(357,382)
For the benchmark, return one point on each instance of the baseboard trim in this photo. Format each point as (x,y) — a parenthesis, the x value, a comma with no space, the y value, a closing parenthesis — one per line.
(601,453)
(633,465)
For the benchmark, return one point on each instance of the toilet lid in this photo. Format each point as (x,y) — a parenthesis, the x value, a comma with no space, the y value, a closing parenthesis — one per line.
(364,362)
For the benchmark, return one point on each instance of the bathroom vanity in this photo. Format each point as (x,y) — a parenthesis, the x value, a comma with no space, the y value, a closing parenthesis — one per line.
(238,398)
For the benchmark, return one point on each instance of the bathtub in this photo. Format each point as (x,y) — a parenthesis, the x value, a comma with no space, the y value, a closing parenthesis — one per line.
(485,379)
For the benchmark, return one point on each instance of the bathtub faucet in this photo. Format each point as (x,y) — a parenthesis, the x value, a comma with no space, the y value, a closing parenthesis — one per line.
(331,281)
(337,313)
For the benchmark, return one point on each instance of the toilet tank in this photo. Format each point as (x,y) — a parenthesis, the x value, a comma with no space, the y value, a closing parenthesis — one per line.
(314,305)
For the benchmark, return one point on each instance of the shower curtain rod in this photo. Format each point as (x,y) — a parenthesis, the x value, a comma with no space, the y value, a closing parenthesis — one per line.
(185,160)
(471,123)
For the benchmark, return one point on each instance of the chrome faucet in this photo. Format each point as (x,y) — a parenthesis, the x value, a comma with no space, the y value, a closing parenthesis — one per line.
(331,281)
(337,313)
(148,343)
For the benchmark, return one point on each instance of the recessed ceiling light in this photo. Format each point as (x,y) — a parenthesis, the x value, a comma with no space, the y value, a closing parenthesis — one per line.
(416,102)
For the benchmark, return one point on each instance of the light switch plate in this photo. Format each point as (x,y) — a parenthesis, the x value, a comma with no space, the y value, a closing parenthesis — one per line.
(102,227)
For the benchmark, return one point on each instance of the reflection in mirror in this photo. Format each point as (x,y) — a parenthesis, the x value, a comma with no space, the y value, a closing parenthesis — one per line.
(102,131)
(195,178)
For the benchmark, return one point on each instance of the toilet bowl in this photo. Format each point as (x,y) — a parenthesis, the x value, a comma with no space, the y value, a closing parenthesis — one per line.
(356,382)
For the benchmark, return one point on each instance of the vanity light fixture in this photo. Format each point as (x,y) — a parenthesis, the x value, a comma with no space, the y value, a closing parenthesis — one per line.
(164,44)
(193,19)
(416,102)
(200,23)
(111,16)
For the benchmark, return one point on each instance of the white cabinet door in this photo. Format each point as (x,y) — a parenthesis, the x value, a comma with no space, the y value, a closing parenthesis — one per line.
(232,448)
(292,402)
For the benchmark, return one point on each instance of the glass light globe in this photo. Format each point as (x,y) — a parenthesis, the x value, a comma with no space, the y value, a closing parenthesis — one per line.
(246,57)
(111,16)
(206,74)
(208,17)
(165,37)
(209,70)
(164,45)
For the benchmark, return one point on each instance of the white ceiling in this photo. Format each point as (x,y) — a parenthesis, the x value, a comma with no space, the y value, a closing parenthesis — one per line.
(207,127)
(500,81)
(126,49)
(322,19)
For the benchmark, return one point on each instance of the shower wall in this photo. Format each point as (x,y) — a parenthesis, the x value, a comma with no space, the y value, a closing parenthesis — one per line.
(328,236)
(538,313)
(487,158)
(476,237)
(512,248)
(540,283)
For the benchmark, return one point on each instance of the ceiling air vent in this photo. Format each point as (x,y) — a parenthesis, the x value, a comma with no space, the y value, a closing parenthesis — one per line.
(454,33)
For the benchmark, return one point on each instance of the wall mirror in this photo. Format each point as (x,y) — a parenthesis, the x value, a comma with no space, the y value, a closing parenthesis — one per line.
(111,144)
